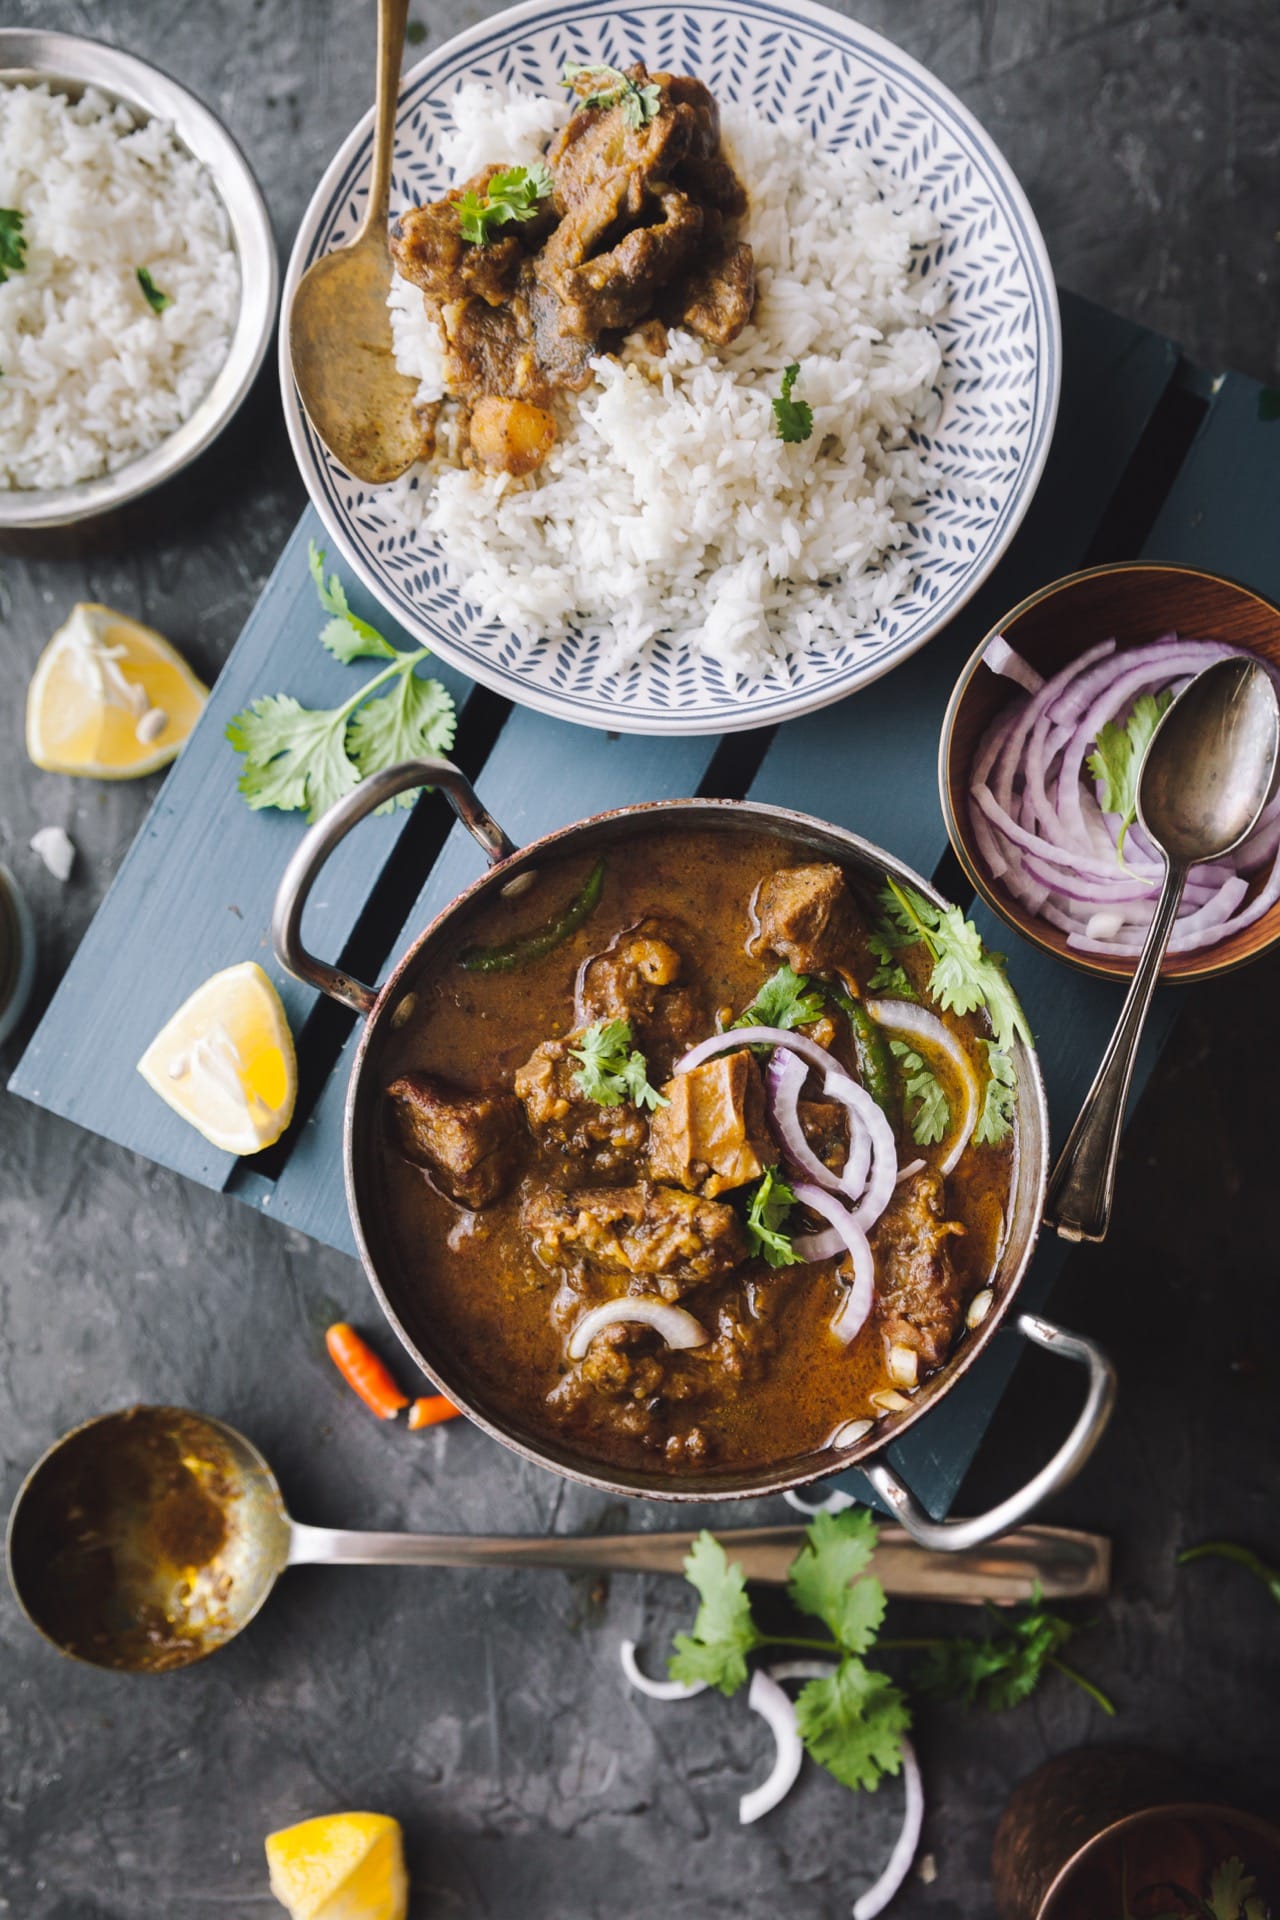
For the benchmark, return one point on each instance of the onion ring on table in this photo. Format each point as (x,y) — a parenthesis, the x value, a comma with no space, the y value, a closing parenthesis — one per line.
(766,1698)
(656,1689)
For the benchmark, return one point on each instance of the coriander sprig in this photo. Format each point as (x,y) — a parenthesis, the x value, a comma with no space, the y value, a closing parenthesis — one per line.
(793,418)
(151,293)
(787,999)
(1117,759)
(854,1719)
(921,1085)
(767,1212)
(298,757)
(639,103)
(13,244)
(511,196)
(612,1070)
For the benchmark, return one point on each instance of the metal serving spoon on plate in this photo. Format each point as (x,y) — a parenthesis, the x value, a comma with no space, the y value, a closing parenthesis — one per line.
(1207,775)
(146,1539)
(355,396)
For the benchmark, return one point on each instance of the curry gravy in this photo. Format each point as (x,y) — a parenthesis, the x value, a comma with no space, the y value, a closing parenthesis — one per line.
(502,1315)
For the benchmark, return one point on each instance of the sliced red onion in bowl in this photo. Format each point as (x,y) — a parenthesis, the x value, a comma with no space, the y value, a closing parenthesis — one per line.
(678,1328)
(905,1016)
(856,1306)
(876,1898)
(656,1689)
(1037,819)
(765,1697)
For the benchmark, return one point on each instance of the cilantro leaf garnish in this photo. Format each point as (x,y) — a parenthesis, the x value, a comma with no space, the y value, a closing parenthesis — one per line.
(346,636)
(1003,1667)
(995,1116)
(510,197)
(1231,1891)
(787,999)
(838,1549)
(13,245)
(304,757)
(151,293)
(852,1722)
(965,975)
(921,1084)
(639,103)
(793,418)
(890,975)
(767,1212)
(611,1070)
(1117,760)
(723,1631)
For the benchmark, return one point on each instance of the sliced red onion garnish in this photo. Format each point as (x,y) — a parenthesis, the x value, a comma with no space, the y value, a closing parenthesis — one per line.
(876,1898)
(765,1697)
(857,1303)
(1001,658)
(784,1076)
(656,1689)
(904,1016)
(678,1328)
(1037,820)
(735,1037)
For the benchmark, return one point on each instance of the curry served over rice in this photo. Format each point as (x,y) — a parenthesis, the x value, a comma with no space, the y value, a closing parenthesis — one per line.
(529,272)
(692,1169)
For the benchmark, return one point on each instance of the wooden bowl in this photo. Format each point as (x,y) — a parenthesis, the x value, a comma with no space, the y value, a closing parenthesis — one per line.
(1137,602)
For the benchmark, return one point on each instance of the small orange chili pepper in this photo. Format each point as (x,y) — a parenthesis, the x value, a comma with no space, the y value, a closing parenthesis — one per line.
(363,1372)
(431,1410)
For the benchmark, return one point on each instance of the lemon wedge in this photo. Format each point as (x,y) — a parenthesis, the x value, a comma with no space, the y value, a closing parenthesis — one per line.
(343,1866)
(109,698)
(226,1063)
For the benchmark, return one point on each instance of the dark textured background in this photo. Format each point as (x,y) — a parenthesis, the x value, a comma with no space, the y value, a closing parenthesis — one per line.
(488,1711)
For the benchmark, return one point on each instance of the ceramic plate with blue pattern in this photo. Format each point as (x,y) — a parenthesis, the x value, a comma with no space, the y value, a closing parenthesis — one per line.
(1000,336)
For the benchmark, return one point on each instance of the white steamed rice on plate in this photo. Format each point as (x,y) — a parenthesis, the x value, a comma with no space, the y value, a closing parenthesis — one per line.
(670,504)
(91,377)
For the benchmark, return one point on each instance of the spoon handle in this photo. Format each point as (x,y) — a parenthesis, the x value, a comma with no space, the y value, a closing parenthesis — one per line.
(1063,1564)
(393,16)
(1081,1187)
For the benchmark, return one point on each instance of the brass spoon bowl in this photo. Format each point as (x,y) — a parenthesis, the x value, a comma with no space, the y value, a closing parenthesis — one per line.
(353,393)
(144,1540)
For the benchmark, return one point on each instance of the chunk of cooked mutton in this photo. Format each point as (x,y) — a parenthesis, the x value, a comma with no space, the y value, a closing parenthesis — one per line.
(921,1304)
(662,1237)
(601,1140)
(639,978)
(468,1142)
(428,248)
(712,1134)
(717,299)
(805,915)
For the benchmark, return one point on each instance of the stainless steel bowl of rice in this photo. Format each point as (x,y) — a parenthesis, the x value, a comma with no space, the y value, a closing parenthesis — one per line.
(138,278)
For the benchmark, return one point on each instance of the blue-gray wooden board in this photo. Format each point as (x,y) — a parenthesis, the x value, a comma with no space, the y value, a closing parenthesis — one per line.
(1150,455)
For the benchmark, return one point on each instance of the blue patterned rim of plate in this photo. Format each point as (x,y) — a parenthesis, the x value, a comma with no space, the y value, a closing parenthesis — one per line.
(1002,343)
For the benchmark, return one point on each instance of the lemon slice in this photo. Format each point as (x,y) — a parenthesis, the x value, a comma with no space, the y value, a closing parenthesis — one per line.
(226,1063)
(109,698)
(343,1866)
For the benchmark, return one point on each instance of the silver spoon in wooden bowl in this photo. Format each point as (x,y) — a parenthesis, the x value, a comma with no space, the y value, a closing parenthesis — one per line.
(1207,774)
(144,1540)
(354,395)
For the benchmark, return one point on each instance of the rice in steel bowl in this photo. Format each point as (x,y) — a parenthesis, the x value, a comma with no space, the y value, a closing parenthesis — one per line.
(669,503)
(120,314)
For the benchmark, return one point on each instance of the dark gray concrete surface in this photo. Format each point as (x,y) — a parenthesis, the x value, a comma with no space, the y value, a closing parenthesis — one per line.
(487,1711)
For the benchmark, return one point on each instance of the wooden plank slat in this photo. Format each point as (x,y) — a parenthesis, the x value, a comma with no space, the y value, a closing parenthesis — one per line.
(194,893)
(540,774)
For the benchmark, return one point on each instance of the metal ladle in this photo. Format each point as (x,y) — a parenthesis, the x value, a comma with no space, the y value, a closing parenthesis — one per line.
(1207,775)
(145,1540)
(355,396)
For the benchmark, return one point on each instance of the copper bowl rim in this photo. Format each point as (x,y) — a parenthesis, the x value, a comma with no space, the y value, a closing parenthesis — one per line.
(1013,915)
(1173,1809)
(1031,1176)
